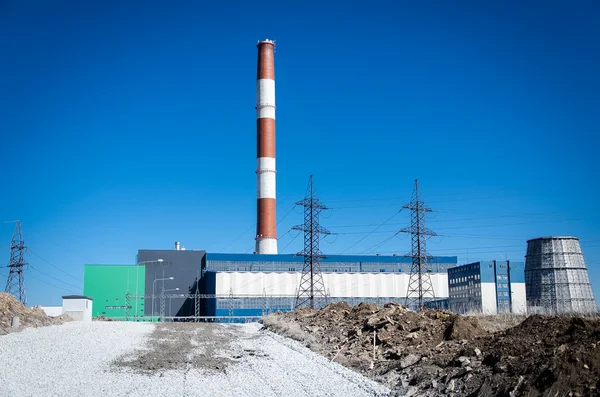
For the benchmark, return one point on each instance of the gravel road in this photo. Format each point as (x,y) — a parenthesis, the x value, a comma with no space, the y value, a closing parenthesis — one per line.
(134,359)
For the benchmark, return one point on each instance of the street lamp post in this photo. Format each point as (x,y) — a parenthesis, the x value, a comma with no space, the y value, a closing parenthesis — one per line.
(153,284)
(137,283)
(167,290)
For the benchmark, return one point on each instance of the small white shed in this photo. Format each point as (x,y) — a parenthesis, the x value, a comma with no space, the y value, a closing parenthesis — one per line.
(78,307)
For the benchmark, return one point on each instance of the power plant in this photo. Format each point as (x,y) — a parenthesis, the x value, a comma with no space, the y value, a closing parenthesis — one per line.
(176,284)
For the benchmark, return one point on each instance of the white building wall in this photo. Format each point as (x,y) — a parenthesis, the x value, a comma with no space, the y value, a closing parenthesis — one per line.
(351,285)
(519,302)
(52,311)
(488,298)
(78,309)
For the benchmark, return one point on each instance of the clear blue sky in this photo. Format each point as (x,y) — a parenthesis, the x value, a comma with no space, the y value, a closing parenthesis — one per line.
(131,125)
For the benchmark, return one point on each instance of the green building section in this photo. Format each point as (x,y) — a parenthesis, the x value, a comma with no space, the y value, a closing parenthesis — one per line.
(108,286)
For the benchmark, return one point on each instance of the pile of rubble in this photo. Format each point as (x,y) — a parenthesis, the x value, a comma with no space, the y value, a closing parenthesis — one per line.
(10,307)
(435,353)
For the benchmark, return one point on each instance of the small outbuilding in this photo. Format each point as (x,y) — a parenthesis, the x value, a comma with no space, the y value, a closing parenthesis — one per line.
(78,307)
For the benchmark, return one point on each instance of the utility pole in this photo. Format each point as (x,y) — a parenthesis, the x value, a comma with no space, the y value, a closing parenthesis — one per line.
(311,282)
(419,285)
(15,284)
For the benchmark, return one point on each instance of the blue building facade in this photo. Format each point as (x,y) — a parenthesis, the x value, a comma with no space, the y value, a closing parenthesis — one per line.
(488,287)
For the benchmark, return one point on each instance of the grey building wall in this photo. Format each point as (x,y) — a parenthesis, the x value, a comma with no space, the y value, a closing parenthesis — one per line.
(185,266)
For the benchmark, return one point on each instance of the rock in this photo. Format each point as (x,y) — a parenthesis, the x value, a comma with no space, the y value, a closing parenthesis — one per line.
(384,336)
(464,361)
(412,335)
(586,366)
(409,360)
(450,386)
(434,384)
(477,352)
(391,354)
(468,369)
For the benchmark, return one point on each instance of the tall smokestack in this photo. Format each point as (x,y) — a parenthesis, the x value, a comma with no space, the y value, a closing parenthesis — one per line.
(266,233)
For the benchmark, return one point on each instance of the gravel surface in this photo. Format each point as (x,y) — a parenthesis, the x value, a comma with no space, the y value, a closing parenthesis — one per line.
(135,359)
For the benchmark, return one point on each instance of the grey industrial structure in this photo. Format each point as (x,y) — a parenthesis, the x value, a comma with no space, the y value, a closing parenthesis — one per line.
(556,277)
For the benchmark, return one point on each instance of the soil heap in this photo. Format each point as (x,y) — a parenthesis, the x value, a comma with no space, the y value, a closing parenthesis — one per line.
(434,353)
(10,307)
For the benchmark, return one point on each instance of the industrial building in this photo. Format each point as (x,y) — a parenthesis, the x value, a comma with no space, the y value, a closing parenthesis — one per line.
(556,277)
(487,287)
(165,283)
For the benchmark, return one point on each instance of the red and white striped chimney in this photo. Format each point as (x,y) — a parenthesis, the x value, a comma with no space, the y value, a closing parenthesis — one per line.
(266,233)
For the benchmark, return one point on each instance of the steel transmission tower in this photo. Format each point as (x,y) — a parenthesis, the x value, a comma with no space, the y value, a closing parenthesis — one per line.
(312,288)
(419,283)
(15,284)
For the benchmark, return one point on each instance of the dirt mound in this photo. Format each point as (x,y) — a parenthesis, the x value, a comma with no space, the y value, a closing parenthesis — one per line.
(10,307)
(103,318)
(436,352)
(463,328)
(553,356)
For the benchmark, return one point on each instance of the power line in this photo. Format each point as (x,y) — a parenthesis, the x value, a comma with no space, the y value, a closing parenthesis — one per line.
(51,285)
(254,224)
(372,231)
(54,278)
(402,197)
(437,201)
(238,237)
(471,227)
(56,267)
(464,219)
(291,241)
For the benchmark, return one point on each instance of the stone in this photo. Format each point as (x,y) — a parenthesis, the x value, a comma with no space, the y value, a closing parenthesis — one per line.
(409,360)
(450,386)
(15,322)
(464,361)
(478,352)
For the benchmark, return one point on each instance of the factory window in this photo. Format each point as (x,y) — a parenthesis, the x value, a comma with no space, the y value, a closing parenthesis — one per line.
(503,266)
(490,265)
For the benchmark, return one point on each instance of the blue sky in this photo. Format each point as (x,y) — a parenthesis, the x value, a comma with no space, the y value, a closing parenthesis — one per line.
(131,125)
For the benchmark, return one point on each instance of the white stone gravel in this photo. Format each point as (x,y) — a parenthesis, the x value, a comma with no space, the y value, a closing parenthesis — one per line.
(74,359)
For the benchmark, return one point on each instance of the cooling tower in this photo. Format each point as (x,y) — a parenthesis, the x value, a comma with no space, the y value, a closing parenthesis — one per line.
(556,277)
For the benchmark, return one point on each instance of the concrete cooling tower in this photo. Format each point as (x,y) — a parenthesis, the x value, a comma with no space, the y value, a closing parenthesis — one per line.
(556,277)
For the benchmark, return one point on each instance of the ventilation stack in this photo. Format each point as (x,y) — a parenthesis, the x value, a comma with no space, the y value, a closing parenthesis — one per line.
(556,277)
(266,233)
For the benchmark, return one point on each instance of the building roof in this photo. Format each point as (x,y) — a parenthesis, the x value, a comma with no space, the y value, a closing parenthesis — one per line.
(554,238)
(326,258)
(77,297)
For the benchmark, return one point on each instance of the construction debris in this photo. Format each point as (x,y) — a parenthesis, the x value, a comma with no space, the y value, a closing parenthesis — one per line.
(435,353)
(13,312)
